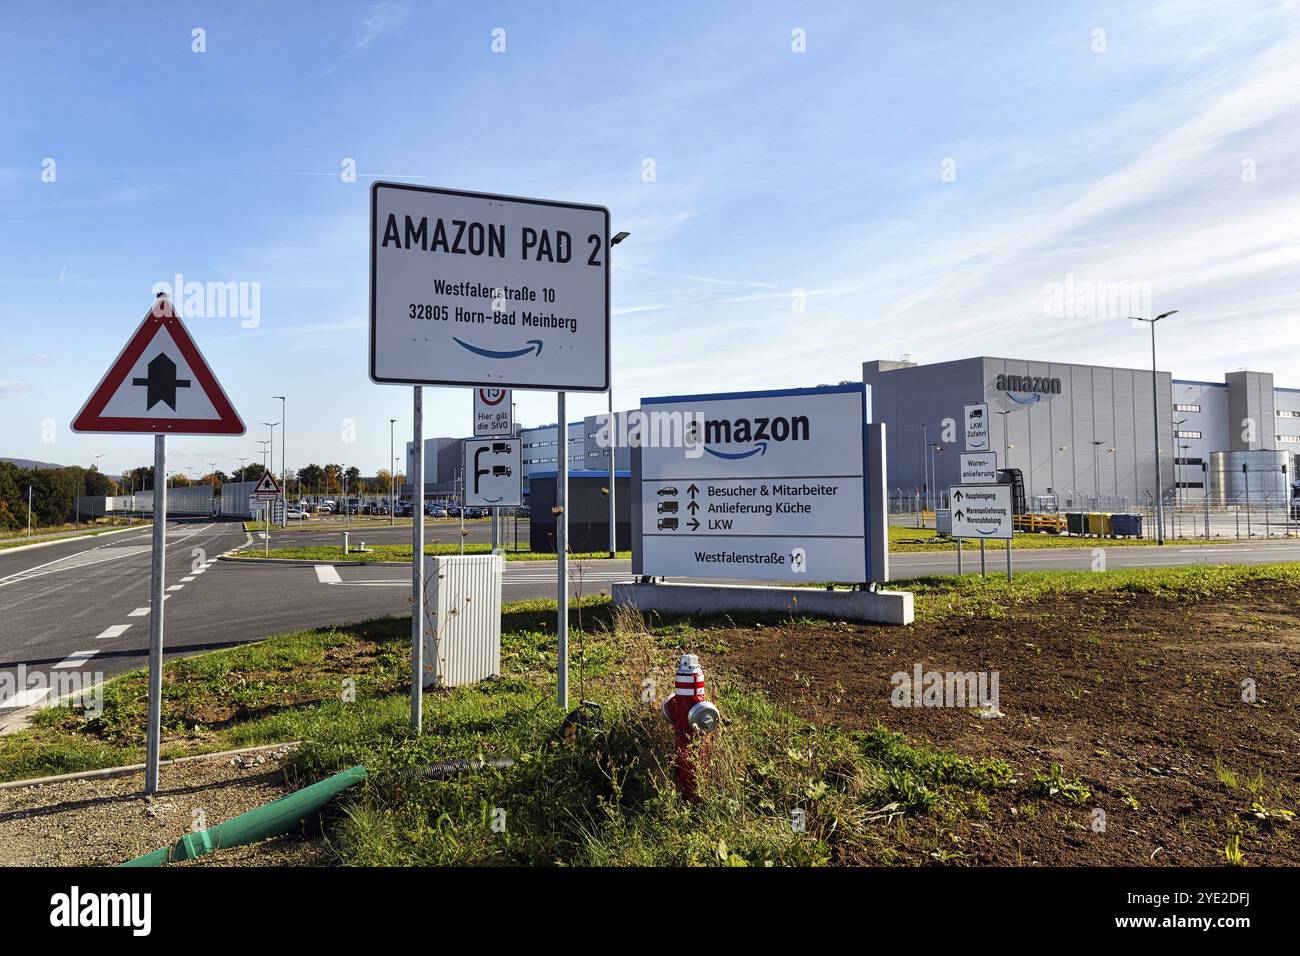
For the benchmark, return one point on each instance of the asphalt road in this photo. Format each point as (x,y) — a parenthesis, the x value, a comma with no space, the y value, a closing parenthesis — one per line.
(84,605)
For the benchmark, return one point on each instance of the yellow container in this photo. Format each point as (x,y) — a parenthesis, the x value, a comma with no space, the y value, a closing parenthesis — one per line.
(1098,523)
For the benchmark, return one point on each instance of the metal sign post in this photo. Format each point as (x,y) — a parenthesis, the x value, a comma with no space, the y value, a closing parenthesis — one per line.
(417,564)
(157,587)
(158,385)
(982,574)
(1008,559)
(562,557)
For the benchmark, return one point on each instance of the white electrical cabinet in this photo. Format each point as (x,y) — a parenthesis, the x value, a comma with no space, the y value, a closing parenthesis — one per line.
(462,618)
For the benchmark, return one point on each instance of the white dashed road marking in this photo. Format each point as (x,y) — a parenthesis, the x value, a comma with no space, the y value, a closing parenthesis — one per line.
(117,630)
(327,574)
(139,612)
(25,698)
(75,660)
(176,587)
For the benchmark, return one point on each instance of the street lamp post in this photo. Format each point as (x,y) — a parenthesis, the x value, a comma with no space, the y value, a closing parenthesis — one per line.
(284,467)
(613,438)
(391,518)
(1155,421)
(925,468)
(1096,468)
(270,447)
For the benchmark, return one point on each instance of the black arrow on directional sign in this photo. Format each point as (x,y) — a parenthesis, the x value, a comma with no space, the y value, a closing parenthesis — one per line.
(693,490)
(693,524)
(959,515)
(693,507)
(161,383)
(957,496)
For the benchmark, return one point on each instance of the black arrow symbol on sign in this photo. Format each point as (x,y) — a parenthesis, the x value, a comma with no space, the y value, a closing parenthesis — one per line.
(957,496)
(693,507)
(960,515)
(161,383)
(693,490)
(693,524)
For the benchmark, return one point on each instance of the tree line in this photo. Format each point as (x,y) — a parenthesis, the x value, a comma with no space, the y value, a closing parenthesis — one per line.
(54,493)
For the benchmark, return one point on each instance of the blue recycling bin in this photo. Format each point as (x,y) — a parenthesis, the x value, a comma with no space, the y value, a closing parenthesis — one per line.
(1126,525)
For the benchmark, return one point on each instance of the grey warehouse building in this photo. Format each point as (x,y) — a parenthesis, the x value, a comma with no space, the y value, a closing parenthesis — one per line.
(1079,432)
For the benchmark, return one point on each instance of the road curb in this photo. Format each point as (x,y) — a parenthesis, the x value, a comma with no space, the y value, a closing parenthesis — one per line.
(303,563)
(108,772)
(77,537)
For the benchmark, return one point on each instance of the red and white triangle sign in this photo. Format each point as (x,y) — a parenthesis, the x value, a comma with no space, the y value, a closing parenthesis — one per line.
(159,385)
(267,486)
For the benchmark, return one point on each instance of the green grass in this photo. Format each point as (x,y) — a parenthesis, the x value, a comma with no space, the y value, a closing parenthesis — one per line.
(16,539)
(904,539)
(608,797)
(360,523)
(379,553)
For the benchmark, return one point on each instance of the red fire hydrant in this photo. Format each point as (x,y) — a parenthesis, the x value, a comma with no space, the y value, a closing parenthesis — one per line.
(691,715)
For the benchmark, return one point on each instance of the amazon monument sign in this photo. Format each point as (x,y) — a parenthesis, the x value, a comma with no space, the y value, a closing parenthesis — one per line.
(481,290)
(768,486)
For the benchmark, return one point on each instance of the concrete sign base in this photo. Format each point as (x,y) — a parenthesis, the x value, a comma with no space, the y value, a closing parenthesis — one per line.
(873,607)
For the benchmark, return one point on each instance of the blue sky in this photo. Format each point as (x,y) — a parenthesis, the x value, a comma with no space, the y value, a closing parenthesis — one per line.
(916,183)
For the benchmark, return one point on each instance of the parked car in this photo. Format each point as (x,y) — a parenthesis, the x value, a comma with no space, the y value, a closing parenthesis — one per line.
(295,514)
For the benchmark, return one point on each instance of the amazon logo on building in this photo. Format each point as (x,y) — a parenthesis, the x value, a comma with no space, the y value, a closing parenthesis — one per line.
(1036,386)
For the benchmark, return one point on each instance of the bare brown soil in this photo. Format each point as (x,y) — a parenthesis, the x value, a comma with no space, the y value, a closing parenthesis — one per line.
(1137,698)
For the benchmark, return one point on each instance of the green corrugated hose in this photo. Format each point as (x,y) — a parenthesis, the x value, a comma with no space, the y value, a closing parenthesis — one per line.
(273,819)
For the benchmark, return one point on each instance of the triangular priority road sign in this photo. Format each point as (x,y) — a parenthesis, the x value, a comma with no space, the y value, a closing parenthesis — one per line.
(267,485)
(159,385)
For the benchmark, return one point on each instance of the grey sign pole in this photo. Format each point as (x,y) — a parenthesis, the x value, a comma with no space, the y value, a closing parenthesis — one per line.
(959,557)
(982,558)
(417,564)
(562,555)
(1008,559)
(156,588)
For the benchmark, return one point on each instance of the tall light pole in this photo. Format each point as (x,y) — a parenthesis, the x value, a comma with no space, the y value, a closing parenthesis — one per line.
(925,468)
(284,485)
(1096,468)
(1006,443)
(1155,421)
(613,438)
(241,468)
(391,517)
(1173,430)
(270,447)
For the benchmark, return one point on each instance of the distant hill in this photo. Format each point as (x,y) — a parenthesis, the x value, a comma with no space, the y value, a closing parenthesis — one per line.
(28,463)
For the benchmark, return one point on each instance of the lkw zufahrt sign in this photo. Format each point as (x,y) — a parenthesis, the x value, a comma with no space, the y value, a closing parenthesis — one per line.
(478,289)
(981,511)
(977,427)
(493,413)
(978,468)
(492,472)
(763,486)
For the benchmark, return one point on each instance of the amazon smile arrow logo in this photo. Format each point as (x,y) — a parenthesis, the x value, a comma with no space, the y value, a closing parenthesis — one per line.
(533,344)
(760,448)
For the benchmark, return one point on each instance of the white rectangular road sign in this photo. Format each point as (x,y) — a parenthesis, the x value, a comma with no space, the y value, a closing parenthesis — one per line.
(493,415)
(978,468)
(478,289)
(768,486)
(493,472)
(981,511)
(977,427)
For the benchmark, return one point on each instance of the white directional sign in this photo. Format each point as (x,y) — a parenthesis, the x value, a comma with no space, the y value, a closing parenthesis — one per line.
(979,468)
(981,511)
(765,485)
(493,472)
(479,289)
(492,413)
(977,427)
